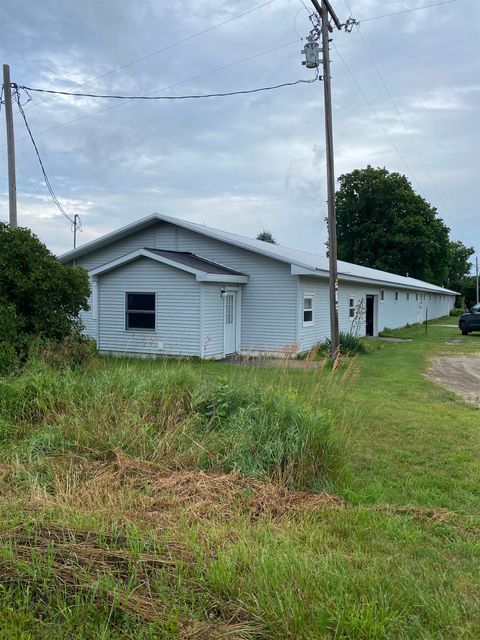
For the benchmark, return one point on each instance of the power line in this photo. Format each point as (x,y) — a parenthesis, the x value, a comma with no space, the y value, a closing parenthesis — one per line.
(149,97)
(172,86)
(392,142)
(169,46)
(397,13)
(397,111)
(72,221)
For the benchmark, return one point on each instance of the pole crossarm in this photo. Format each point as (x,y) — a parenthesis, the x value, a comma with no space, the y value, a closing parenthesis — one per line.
(330,10)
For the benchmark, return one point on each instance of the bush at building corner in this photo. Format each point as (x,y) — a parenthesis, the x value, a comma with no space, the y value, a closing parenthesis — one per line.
(40,298)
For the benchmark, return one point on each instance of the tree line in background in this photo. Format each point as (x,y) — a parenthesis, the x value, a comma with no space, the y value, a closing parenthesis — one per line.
(384,224)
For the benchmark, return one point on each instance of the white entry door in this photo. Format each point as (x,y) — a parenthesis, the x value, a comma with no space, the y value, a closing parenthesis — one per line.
(230,321)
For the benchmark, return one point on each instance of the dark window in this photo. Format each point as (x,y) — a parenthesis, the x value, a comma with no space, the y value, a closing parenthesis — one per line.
(140,311)
(351,308)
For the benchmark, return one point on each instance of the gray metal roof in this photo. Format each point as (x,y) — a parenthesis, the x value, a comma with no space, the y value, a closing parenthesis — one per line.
(196,262)
(316,263)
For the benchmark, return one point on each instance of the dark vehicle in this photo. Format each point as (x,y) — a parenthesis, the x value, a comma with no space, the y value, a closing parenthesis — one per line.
(470,321)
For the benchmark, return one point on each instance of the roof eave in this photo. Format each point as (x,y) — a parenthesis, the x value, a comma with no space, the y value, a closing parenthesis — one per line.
(106,239)
(297,269)
(201,276)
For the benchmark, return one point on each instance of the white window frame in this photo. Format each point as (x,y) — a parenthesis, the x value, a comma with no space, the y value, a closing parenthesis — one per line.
(308,296)
(125,303)
(382,295)
(396,297)
(94,288)
(351,307)
(408,296)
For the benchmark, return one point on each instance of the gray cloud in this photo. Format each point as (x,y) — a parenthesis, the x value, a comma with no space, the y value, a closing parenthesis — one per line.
(242,163)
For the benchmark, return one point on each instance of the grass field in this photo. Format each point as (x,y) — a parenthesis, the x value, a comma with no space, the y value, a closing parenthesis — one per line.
(146,499)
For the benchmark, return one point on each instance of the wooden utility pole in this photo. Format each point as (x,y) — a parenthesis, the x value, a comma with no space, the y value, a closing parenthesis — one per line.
(326,12)
(12,186)
(476,273)
(76,226)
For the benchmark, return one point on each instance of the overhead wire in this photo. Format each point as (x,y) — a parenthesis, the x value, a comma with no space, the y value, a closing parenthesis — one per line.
(172,86)
(397,111)
(42,166)
(196,96)
(377,118)
(372,109)
(168,46)
(397,13)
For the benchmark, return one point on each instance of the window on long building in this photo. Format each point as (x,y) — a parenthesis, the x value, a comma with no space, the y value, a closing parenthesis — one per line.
(307,309)
(351,307)
(140,311)
(396,296)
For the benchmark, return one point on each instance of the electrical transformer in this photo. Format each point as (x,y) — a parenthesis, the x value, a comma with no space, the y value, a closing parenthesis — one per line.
(312,59)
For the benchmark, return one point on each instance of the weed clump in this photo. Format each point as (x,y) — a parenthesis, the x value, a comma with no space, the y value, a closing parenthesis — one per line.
(172,417)
(268,433)
(350,345)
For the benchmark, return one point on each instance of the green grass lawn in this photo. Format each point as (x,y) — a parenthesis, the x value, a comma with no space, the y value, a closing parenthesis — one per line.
(96,545)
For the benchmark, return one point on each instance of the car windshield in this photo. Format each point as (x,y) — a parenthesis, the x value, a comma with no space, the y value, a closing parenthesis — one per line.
(476,307)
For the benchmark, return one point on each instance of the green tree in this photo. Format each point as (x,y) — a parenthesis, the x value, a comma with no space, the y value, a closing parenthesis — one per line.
(459,263)
(468,290)
(39,296)
(384,224)
(266,236)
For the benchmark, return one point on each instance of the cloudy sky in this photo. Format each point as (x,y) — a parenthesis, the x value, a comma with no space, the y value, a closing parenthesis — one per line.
(240,163)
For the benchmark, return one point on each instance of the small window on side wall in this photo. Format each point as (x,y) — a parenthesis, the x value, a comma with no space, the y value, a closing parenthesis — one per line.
(307,309)
(408,296)
(382,295)
(140,311)
(396,296)
(351,307)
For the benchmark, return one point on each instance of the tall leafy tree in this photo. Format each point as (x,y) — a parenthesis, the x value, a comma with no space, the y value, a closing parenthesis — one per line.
(39,296)
(266,236)
(384,224)
(468,289)
(459,262)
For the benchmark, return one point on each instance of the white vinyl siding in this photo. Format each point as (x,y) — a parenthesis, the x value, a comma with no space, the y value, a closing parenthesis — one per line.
(388,314)
(190,314)
(177,310)
(271,286)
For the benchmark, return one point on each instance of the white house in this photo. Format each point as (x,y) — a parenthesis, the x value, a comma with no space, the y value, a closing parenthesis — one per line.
(167,286)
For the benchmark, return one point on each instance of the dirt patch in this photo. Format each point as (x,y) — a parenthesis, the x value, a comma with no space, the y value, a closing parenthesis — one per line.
(460,374)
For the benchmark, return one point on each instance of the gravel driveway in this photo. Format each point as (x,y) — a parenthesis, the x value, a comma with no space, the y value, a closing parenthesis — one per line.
(460,374)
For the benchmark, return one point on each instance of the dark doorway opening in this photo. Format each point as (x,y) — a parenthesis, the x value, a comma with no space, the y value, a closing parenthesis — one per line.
(370,316)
